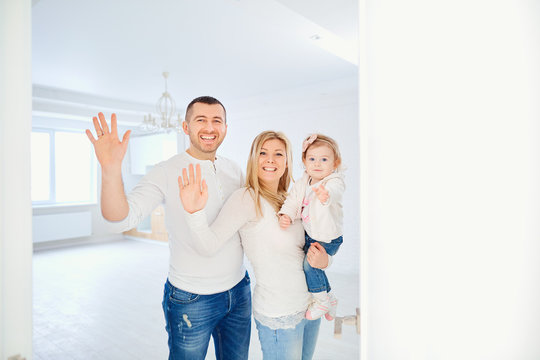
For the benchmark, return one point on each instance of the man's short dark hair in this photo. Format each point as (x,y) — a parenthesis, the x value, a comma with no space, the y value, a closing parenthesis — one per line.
(209,100)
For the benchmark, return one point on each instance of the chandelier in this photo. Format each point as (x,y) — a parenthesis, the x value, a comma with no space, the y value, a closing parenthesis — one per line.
(166,109)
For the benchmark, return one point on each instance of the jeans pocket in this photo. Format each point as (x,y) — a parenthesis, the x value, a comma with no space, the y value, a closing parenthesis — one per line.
(182,297)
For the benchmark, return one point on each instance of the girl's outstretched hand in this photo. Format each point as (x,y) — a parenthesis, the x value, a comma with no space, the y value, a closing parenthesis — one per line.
(322,193)
(193,191)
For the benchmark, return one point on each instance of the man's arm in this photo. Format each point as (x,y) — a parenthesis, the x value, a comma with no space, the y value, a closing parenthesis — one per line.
(114,205)
(110,152)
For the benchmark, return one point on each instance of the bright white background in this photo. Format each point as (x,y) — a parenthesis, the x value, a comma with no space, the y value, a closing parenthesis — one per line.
(449,143)
(449,126)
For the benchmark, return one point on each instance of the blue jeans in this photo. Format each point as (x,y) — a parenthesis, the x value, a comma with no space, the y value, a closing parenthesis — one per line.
(192,318)
(289,344)
(316,279)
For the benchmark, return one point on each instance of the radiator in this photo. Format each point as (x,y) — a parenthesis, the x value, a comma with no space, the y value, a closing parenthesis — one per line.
(61,226)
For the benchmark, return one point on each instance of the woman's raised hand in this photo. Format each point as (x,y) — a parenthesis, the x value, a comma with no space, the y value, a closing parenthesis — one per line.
(110,151)
(193,190)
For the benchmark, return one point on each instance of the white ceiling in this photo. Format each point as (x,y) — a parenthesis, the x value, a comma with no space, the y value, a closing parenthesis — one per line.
(231,49)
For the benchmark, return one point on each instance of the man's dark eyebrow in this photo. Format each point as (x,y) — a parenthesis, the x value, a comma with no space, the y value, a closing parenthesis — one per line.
(206,117)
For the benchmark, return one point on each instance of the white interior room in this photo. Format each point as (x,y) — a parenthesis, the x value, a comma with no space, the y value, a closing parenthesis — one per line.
(275,65)
(434,105)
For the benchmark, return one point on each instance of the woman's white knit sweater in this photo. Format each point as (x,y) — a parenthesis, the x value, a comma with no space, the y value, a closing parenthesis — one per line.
(280,297)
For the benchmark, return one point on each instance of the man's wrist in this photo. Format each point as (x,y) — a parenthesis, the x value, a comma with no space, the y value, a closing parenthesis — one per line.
(111,172)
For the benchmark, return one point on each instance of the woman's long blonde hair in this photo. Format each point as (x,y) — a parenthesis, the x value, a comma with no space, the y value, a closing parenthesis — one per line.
(252,178)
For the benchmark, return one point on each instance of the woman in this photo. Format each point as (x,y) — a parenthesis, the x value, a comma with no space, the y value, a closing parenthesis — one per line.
(280,297)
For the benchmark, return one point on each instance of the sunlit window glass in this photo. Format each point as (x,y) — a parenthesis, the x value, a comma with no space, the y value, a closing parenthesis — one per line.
(40,166)
(146,151)
(75,168)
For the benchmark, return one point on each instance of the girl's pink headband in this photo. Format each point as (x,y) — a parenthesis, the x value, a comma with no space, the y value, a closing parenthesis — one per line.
(308,142)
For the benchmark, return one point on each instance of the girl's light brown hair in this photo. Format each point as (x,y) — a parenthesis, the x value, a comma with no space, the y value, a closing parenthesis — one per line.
(323,140)
(252,179)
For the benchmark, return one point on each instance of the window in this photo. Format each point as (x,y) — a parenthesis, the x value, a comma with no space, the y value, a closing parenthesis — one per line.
(148,150)
(41,166)
(63,168)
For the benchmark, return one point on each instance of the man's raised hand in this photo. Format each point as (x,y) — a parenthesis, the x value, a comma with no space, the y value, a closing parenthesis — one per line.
(110,151)
(193,189)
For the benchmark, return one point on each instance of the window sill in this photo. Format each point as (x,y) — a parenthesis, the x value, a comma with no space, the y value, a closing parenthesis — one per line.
(43,209)
(66,205)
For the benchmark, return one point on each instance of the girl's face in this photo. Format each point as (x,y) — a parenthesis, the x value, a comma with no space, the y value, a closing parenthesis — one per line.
(319,162)
(272,162)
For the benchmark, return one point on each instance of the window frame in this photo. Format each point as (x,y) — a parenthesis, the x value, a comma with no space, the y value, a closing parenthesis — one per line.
(52,172)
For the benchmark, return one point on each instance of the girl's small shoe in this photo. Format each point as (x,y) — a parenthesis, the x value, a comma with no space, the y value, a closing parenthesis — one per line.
(317,309)
(331,314)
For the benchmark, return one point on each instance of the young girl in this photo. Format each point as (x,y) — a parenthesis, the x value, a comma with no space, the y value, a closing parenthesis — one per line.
(316,199)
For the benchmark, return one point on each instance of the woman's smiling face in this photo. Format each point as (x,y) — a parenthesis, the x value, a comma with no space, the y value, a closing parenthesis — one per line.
(272,162)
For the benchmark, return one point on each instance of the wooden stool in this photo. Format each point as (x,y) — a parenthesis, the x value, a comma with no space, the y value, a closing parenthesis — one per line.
(347,320)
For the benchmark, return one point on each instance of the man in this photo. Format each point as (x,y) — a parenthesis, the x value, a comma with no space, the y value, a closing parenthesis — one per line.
(204,295)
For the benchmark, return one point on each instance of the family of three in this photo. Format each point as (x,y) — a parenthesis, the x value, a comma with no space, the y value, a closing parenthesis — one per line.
(213,217)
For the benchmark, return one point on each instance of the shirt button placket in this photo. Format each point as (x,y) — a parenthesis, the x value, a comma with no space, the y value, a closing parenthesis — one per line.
(219,186)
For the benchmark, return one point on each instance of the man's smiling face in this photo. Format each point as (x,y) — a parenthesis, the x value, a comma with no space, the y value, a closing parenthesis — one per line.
(206,127)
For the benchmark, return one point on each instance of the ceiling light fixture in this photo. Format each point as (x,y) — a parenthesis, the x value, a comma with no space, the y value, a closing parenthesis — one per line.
(166,109)
(336,45)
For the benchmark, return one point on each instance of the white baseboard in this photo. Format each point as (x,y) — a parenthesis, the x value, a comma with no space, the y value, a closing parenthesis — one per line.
(85,240)
(148,241)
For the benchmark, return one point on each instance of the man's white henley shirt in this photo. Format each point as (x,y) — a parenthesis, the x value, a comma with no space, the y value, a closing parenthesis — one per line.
(190,270)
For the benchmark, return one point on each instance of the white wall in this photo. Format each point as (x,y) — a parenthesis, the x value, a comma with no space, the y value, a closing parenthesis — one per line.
(450,173)
(15,208)
(329,108)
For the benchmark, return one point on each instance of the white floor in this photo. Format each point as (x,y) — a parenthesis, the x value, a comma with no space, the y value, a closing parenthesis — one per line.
(104,302)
